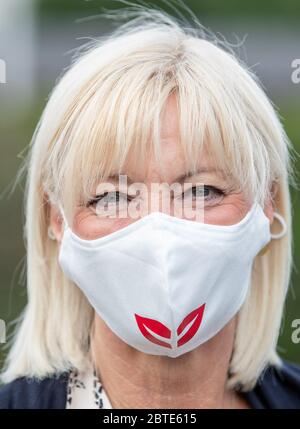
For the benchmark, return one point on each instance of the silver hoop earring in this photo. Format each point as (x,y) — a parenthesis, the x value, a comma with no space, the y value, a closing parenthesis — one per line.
(51,234)
(283,225)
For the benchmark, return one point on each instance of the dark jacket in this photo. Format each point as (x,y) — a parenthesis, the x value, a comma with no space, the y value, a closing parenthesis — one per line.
(274,389)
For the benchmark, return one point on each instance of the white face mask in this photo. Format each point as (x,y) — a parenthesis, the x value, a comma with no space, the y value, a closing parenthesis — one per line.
(165,285)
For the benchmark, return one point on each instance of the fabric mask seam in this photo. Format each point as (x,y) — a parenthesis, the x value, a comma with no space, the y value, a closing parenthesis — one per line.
(165,277)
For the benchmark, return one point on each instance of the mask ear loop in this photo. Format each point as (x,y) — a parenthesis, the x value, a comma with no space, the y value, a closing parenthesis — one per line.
(278,235)
(283,231)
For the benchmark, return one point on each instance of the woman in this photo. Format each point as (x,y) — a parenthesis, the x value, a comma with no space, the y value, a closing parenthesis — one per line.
(131,305)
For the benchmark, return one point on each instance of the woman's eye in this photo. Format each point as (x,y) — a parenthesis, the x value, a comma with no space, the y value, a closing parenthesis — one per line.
(109,198)
(208,193)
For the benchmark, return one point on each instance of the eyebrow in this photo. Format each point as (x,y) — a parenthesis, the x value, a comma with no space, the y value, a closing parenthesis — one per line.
(179,179)
(190,174)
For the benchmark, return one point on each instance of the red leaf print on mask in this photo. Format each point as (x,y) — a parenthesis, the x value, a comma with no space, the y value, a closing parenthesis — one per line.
(160,329)
(195,314)
(154,326)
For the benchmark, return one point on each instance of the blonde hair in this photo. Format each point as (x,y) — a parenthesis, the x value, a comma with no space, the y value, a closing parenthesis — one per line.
(109,101)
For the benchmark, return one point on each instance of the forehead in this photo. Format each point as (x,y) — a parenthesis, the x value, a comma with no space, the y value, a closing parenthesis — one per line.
(172,166)
(173,157)
(170,119)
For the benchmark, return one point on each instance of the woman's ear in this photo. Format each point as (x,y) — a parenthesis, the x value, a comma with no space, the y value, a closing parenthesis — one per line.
(270,203)
(55,223)
(269,212)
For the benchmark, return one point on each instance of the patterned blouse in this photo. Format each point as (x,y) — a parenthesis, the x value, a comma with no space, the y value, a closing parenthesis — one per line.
(85,391)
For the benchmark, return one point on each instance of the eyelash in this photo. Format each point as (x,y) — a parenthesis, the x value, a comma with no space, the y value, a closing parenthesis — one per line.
(218,191)
(98,198)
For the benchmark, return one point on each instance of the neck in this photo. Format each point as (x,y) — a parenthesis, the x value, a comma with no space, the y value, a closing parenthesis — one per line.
(136,380)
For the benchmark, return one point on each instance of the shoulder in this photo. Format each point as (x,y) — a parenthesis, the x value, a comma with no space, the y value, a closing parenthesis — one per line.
(30,393)
(277,387)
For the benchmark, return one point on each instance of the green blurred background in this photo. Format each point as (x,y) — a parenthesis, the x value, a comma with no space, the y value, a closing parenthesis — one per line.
(36,42)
